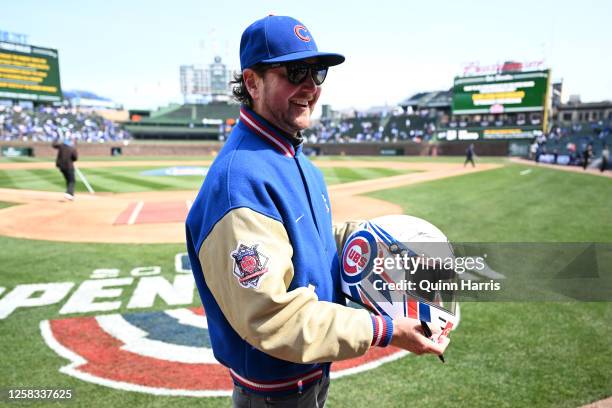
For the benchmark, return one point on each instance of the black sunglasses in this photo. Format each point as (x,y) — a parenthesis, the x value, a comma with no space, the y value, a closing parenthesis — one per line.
(297,72)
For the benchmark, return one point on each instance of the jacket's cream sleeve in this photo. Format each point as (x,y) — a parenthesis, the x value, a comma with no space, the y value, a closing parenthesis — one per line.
(246,261)
(342,232)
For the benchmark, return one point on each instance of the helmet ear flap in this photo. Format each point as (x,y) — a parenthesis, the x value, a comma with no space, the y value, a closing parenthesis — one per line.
(386,267)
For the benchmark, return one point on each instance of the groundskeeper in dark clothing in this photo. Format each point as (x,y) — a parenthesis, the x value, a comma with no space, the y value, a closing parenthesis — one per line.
(66,156)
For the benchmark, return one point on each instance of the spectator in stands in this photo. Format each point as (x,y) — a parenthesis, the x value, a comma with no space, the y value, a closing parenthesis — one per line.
(66,156)
(586,156)
(605,157)
(533,149)
(47,124)
(539,152)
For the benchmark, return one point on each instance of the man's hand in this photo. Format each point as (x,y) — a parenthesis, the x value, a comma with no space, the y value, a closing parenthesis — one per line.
(408,335)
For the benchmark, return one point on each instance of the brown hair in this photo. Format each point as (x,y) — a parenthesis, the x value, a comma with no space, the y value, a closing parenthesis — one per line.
(239,89)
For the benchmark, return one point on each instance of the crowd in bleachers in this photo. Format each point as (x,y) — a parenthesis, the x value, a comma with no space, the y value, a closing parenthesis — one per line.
(47,124)
(562,145)
(361,127)
(398,126)
(499,120)
(567,144)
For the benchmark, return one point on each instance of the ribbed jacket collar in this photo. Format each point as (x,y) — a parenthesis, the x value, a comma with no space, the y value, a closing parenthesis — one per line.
(267,131)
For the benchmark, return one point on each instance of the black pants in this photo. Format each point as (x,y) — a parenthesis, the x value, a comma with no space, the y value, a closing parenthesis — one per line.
(69,177)
(313,397)
(469,159)
(604,165)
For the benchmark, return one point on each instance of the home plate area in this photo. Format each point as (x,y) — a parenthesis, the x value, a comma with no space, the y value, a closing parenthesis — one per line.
(142,212)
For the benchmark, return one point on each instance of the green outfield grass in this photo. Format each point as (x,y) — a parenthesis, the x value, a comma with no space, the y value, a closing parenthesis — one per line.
(25,159)
(338,175)
(130,179)
(504,206)
(502,355)
(189,159)
(413,159)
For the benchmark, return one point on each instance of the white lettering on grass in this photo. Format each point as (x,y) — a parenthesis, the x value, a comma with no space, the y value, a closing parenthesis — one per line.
(32,295)
(146,271)
(179,293)
(105,273)
(84,298)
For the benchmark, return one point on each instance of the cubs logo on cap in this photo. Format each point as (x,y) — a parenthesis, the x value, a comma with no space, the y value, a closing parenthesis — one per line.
(276,39)
(301,32)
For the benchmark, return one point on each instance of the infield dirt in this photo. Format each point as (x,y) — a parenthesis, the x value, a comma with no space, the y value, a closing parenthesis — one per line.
(93,217)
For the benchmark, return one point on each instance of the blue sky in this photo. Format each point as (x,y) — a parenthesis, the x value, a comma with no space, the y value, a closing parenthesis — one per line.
(131,51)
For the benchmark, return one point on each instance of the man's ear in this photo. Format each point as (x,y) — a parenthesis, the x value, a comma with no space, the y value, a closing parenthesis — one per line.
(253,82)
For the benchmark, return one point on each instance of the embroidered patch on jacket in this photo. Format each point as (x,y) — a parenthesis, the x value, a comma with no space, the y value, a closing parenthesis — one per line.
(249,266)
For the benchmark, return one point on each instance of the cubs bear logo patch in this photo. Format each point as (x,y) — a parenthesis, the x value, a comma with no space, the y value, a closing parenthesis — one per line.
(249,266)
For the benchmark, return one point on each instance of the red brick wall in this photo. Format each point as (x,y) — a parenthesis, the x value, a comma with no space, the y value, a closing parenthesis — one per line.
(488,148)
(161,149)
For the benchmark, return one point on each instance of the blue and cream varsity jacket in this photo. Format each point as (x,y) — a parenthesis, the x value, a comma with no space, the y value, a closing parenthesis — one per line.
(265,261)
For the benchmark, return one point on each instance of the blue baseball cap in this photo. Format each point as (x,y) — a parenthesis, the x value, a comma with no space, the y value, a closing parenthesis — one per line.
(280,39)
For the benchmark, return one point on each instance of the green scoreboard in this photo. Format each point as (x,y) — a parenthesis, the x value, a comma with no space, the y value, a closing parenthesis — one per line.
(500,93)
(29,73)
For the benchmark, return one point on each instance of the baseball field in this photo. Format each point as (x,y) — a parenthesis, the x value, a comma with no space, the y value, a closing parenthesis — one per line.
(96,296)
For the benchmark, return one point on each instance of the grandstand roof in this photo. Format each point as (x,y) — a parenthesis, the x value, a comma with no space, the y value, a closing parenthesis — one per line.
(89,99)
(586,105)
(194,113)
(435,99)
(76,93)
(382,110)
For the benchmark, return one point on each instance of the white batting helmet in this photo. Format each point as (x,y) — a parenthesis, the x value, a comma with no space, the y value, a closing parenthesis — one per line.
(398,265)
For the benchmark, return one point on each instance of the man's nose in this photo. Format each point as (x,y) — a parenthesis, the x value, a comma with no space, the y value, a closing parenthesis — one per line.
(309,83)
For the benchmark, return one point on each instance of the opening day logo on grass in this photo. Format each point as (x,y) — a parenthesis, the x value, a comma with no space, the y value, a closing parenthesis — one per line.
(164,352)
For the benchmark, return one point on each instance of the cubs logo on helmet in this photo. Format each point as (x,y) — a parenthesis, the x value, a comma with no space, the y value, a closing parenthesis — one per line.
(373,277)
(358,256)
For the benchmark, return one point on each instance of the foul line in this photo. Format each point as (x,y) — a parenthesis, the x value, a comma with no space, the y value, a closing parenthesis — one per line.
(135,213)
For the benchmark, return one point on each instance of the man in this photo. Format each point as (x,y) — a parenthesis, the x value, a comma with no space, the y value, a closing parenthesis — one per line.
(469,155)
(260,239)
(586,156)
(66,156)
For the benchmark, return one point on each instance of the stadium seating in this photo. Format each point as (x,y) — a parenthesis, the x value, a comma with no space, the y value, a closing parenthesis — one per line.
(210,121)
(406,127)
(194,113)
(50,123)
(573,140)
(372,128)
